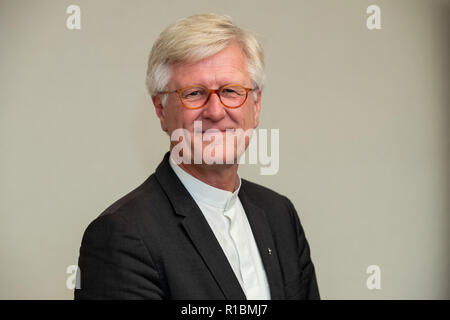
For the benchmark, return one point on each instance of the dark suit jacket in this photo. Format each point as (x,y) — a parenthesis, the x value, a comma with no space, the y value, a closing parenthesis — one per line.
(155,243)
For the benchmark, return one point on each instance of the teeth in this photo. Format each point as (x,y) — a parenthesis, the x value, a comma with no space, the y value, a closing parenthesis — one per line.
(215,130)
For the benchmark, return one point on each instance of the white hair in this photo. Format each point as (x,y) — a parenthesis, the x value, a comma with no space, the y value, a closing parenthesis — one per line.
(198,37)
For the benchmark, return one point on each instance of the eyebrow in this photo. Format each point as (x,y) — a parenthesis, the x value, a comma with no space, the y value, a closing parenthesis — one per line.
(242,83)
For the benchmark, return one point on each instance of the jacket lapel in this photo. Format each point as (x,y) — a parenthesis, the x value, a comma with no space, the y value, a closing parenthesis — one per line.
(199,231)
(206,243)
(263,237)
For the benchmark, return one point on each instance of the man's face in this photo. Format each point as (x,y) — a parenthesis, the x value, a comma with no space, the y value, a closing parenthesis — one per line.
(228,66)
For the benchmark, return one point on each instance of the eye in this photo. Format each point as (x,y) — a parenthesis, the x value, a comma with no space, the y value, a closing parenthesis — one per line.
(234,91)
(193,93)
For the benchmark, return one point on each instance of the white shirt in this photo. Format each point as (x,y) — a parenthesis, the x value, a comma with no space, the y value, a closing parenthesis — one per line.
(225,215)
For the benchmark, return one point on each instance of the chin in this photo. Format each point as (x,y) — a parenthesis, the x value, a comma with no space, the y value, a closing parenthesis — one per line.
(211,156)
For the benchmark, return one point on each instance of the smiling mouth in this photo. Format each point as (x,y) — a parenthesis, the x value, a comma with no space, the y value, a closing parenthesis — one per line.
(218,130)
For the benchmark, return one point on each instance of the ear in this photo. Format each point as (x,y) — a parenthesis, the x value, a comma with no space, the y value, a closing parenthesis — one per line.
(257,109)
(160,111)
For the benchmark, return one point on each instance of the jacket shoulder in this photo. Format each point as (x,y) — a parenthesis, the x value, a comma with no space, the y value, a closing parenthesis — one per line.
(128,212)
(273,202)
(261,193)
(144,193)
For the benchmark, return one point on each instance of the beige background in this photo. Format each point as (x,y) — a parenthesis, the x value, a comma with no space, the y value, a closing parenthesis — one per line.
(363,116)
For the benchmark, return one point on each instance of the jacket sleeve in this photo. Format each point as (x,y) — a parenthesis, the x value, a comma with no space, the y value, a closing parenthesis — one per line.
(308,279)
(115,264)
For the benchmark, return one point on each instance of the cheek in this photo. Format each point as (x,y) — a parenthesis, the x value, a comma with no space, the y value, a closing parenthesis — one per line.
(238,115)
(246,117)
(185,118)
(174,118)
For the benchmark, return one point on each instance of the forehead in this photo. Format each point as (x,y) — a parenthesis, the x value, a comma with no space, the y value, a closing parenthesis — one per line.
(227,66)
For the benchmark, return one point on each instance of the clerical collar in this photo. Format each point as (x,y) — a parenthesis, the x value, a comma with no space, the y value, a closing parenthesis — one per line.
(205,193)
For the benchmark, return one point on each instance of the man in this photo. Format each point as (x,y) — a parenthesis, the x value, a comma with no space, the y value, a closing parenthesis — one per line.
(194,229)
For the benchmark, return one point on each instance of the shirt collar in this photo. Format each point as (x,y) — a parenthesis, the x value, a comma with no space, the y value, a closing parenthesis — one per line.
(205,193)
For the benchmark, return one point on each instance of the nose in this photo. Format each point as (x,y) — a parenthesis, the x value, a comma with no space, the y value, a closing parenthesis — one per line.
(214,109)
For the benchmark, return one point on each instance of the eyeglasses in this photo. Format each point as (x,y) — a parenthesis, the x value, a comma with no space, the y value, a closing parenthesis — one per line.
(195,97)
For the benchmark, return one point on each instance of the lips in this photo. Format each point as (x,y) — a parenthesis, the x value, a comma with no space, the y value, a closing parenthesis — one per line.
(217,130)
